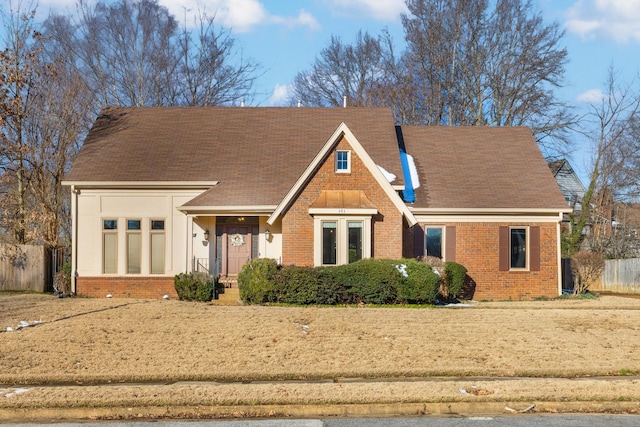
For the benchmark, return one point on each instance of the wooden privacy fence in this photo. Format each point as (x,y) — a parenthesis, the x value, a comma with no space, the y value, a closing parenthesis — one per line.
(621,275)
(28,268)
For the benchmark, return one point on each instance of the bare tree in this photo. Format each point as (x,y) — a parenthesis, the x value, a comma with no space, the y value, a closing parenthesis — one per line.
(58,117)
(341,69)
(45,109)
(132,52)
(123,48)
(210,71)
(611,126)
(19,72)
(474,62)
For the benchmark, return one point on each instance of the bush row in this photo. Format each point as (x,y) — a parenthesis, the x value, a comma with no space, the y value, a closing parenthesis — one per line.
(369,281)
(196,286)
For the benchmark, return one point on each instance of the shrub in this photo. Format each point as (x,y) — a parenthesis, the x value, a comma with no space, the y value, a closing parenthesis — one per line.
(587,269)
(371,281)
(420,284)
(297,285)
(332,289)
(195,286)
(256,281)
(453,280)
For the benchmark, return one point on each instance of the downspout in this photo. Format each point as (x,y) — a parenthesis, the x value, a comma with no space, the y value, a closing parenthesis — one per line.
(188,244)
(74,239)
(408,195)
(559,250)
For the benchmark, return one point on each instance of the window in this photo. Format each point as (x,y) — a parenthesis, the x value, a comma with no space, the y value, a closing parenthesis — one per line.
(134,246)
(329,243)
(342,240)
(157,246)
(343,161)
(110,246)
(355,240)
(433,243)
(518,248)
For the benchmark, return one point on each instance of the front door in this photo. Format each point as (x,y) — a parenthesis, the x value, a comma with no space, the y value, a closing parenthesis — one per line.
(238,248)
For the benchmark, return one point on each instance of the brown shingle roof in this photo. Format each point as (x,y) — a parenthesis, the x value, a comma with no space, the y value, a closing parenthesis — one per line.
(480,167)
(256,154)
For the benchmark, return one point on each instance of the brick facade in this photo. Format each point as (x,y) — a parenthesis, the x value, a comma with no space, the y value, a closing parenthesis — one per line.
(297,223)
(126,287)
(477,248)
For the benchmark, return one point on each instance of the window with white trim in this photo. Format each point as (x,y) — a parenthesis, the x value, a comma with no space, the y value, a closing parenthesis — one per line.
(354,229)
(433,242)
(134,246)
(518,248)
(157,241)
(329,243)
(110,246)
(343,161)
(341,240)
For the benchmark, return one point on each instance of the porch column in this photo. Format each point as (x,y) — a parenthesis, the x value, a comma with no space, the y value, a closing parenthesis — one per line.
(189,237)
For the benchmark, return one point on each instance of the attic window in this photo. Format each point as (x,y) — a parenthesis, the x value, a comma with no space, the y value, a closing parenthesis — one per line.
(343,161)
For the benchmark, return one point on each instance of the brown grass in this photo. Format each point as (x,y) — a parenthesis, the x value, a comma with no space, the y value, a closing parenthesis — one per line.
(118,340)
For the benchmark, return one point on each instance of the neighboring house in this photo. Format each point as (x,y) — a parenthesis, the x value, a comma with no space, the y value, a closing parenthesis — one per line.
(160,191)
(570,185)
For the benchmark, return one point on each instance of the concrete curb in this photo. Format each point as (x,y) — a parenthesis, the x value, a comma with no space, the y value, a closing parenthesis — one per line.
(461,409)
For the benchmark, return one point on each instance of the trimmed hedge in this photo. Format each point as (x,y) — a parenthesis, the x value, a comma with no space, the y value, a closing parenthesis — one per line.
(454,275)
(368,281)
(421,283)
(256,281)
(195,286)
(297,285)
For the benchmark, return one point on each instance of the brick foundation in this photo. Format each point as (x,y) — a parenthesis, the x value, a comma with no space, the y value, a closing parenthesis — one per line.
(154,287)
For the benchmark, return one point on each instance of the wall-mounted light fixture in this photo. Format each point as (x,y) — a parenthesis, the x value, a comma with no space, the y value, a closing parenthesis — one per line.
(267,234)
(206,234)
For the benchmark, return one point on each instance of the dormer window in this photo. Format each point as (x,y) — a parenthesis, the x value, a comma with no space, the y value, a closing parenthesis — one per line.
(343,161)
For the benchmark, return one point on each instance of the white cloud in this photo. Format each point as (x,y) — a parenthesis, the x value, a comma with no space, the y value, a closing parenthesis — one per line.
(240,16)
(617,20)
(304,19)
(383,10)
(280,95)
(591,96)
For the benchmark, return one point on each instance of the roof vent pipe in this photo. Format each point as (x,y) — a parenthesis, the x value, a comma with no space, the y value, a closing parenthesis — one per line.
(242,102)
(344,101)
(299,103)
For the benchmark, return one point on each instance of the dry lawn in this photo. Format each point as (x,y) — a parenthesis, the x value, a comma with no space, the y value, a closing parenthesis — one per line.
(88,341)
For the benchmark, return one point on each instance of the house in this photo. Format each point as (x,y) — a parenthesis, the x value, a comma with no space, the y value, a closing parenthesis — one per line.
(160,191)
(570,184)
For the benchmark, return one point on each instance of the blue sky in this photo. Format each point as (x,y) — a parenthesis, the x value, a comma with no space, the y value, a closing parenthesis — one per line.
(285,36)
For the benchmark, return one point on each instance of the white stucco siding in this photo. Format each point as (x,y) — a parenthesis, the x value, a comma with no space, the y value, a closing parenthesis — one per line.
(271,248)
(94,206)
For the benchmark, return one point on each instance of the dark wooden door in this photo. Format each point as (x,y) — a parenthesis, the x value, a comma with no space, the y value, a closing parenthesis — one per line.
(238,248)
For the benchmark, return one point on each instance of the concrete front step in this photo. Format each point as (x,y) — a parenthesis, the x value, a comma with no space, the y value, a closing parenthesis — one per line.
(231,296)
(229,281)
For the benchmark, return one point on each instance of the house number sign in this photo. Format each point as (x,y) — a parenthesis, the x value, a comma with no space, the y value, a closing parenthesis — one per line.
(237,239)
